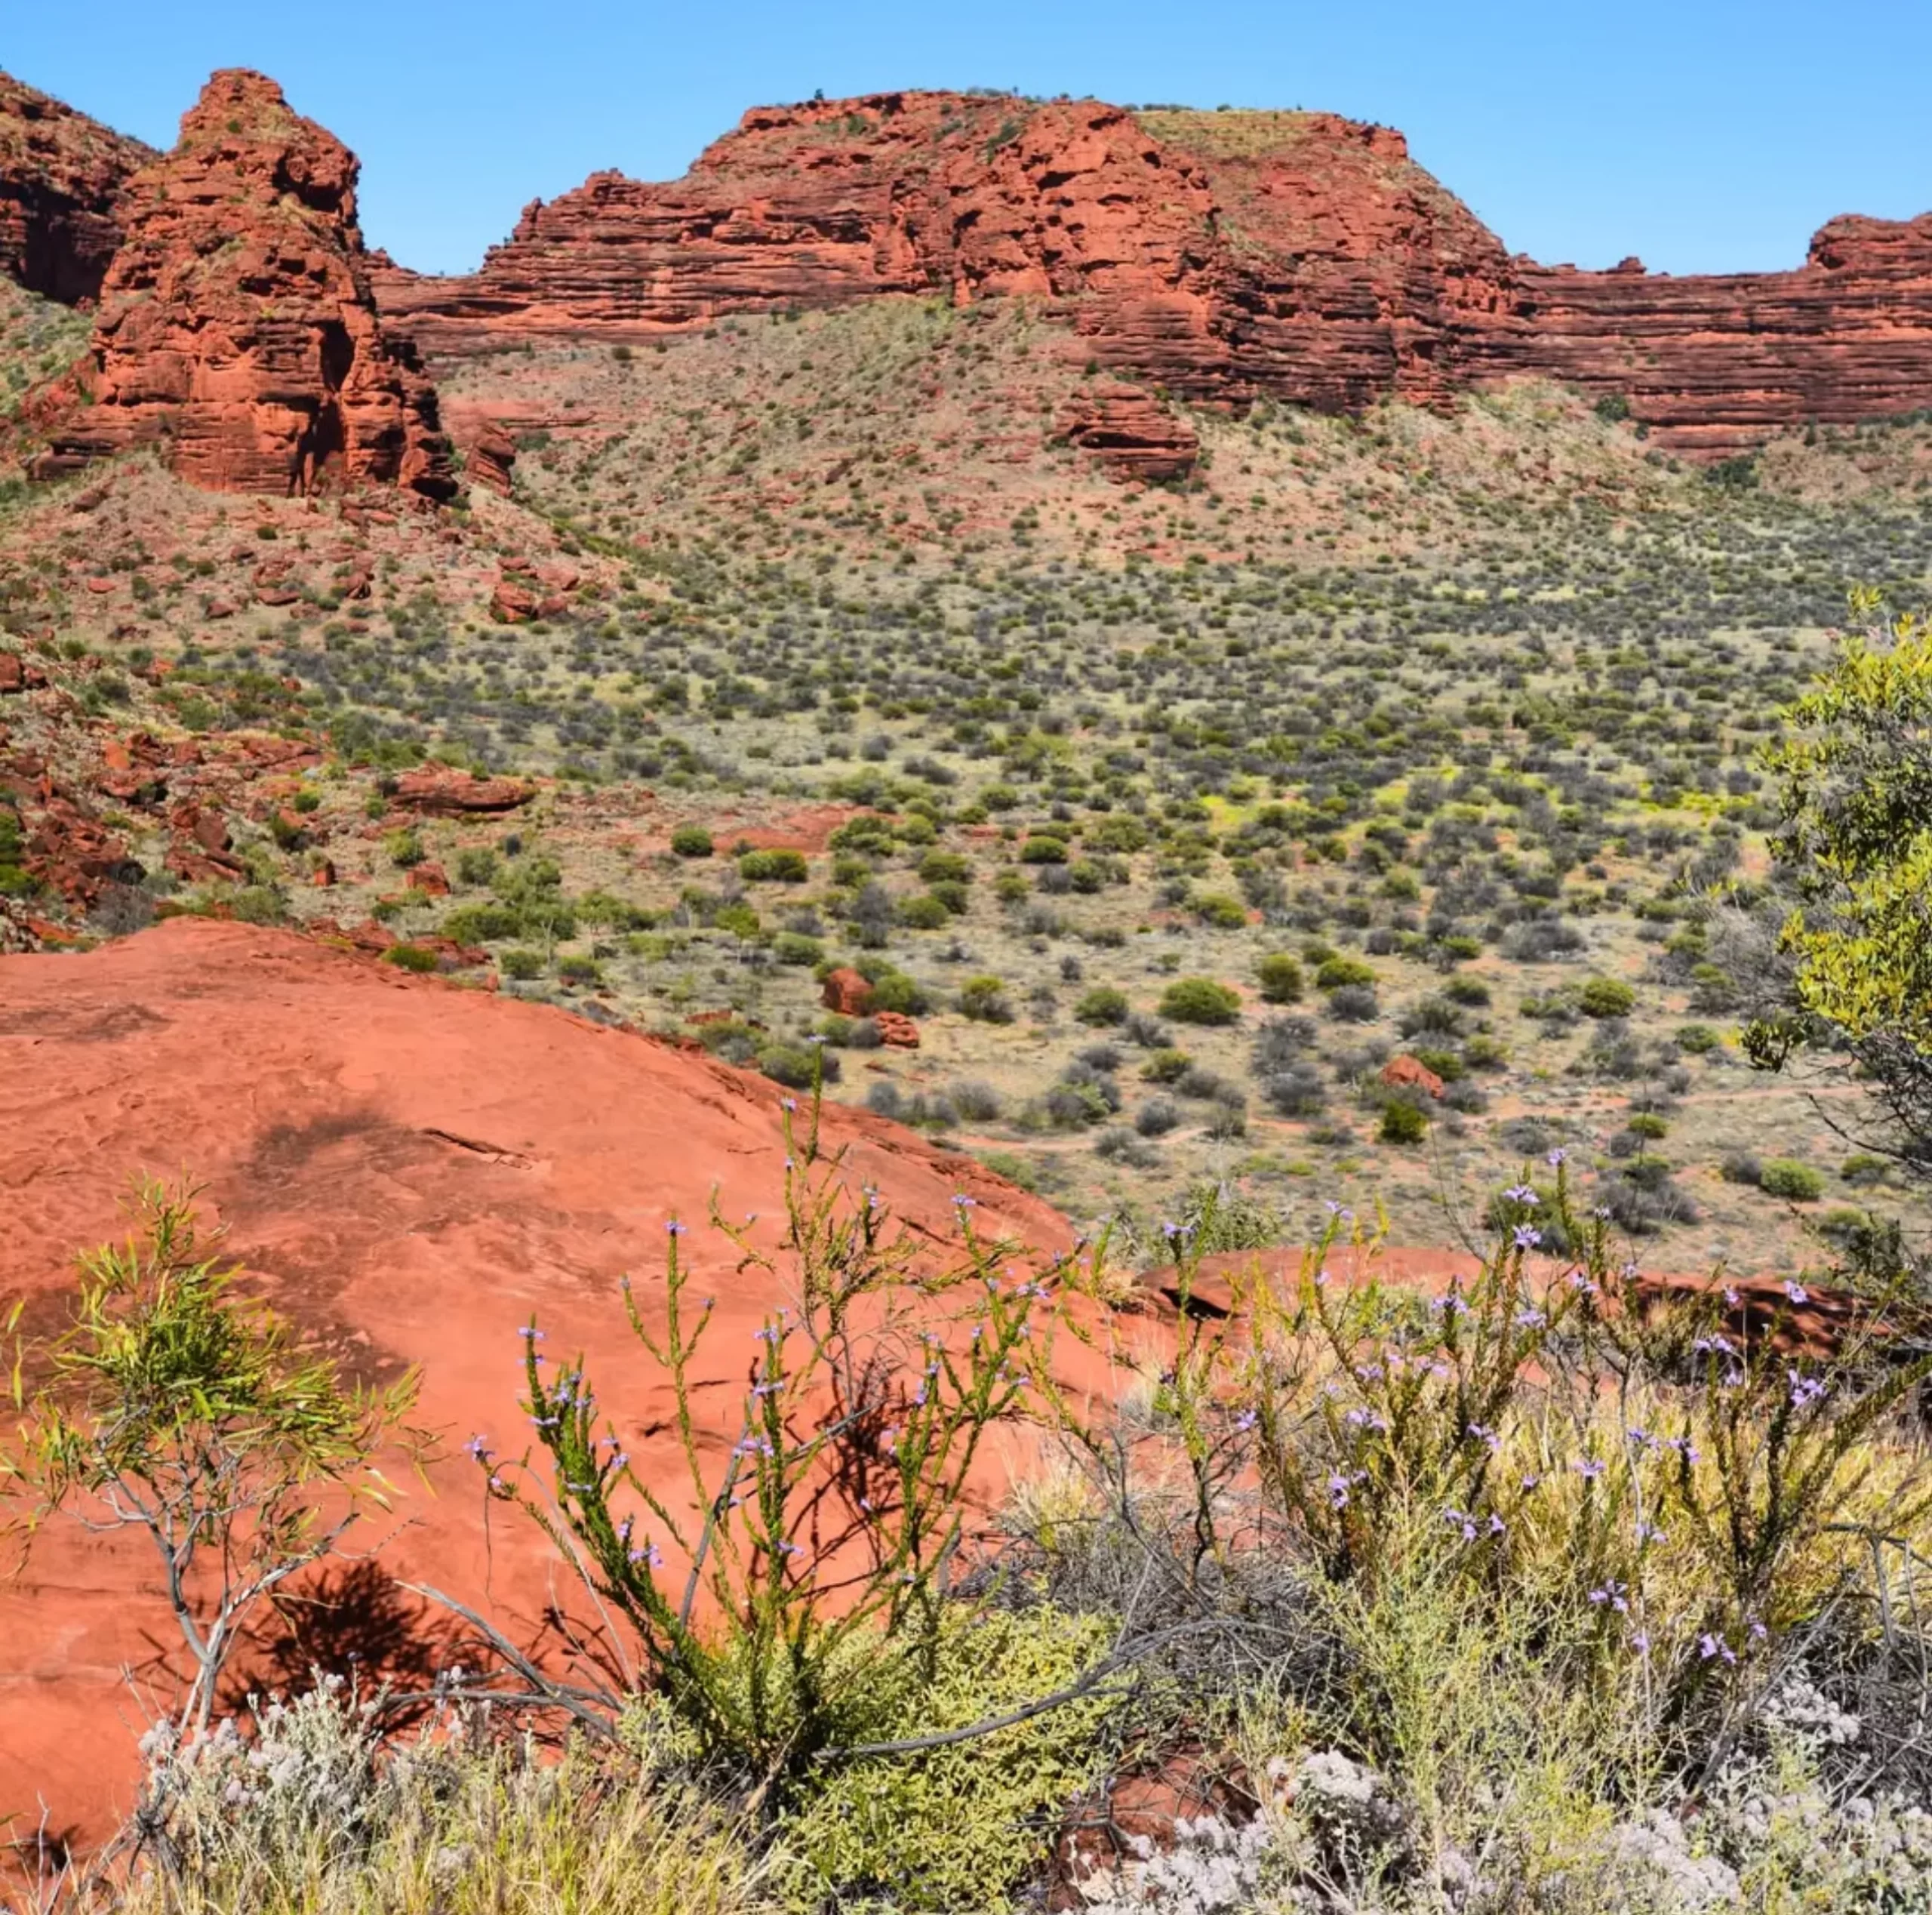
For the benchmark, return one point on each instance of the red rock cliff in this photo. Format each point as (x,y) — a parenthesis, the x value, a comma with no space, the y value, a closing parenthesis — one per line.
(1222,256)
(61,175)
(237,329)
(1714,363)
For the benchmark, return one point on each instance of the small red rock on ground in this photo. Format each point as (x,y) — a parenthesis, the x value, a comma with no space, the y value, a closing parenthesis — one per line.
(896,1030)
(1407,1072)
(453,793)
(846,992)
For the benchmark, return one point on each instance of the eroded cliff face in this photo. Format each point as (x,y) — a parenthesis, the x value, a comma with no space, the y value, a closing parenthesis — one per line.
(1220,256)
(61,178)
(1713,364)
(237,330)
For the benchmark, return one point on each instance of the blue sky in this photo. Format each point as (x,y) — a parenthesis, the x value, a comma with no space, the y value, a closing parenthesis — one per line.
(1703,135)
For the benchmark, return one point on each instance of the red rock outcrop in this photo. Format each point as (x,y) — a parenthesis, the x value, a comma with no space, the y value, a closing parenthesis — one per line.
(1220,256)
(1713,364)
(61,178)
(237,331)
(1129,432)
(410,1171)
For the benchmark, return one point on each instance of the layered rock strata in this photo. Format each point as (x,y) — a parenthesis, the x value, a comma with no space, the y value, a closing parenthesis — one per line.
(1219,258)
(237,331)
(61,178)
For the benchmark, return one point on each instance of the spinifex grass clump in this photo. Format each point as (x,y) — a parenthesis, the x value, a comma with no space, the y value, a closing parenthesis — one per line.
(821,1553)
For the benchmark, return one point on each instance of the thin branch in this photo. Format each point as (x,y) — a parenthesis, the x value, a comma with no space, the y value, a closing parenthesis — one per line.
(565,1695)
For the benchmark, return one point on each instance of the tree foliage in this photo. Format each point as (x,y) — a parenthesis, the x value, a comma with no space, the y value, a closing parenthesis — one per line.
(1854,849)
(174,1406)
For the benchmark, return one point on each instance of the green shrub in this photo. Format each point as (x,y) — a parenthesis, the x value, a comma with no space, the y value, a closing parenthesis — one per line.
(476,866)
(1695,1040)
(1166,1066)
(1102,1004)
(1606,997)
(1863,1168)
(481,924)
(410,957)
(1336,973)
(404,849)
(945,868)
(14,881)
(578,969)
(869,837)
(1119,835)
(692,841)
(960,1827)
(893,989)
(984,999)
(1281,977)
(1795,1182)
(794,947)
(923,913)
(1200,1001)
(784,867)
(1648,1126)
(1043,850)
(521,965)
(798,1066)
(1221,912)
(1402,1122)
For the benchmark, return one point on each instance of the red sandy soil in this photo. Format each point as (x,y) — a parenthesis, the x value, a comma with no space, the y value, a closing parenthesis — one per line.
(412,1169)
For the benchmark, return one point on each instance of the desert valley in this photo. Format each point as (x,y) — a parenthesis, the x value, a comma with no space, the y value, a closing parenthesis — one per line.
(1047,992)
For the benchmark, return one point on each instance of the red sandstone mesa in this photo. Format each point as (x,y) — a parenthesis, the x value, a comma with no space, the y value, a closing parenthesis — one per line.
(1223,256)
(61,178)
(236,328)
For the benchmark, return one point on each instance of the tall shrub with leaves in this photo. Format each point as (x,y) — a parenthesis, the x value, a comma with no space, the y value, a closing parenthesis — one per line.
(175,1408)
(1670,1484)
(1854,849)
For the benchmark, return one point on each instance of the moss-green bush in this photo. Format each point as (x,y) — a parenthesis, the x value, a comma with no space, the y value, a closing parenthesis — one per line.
(404,849)
(1402,1123)
(1337,973)
(784,867)
(957,1827)
(1220,912)
(1102,1004)
(1606,997)
(410,957)
(1200,1001)
(1795,1183)
(924,912)
(692,841)
(794,947)
(1281,977)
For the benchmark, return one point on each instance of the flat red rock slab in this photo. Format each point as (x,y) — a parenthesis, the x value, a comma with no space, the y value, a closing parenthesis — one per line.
(413,1170)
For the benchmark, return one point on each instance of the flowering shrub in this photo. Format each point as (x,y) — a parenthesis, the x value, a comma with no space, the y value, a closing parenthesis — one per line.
(1568,1517)
(824,1549)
